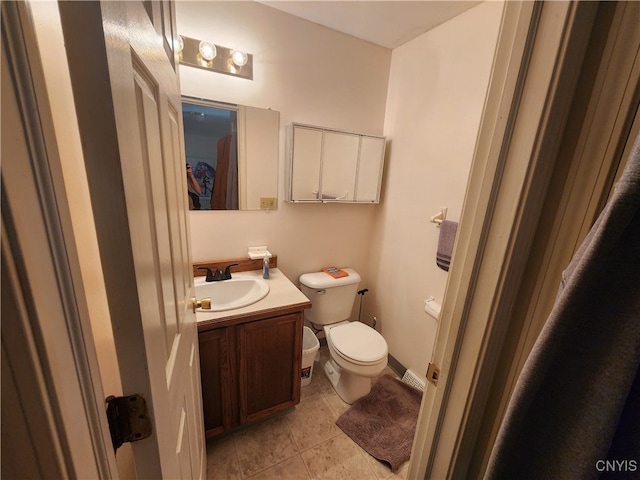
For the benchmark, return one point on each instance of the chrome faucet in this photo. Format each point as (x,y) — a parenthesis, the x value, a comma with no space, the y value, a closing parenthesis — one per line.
(219,274)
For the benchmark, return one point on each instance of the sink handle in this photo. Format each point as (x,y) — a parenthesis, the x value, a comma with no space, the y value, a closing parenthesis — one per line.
(210,276)
(227,271)
(205,303)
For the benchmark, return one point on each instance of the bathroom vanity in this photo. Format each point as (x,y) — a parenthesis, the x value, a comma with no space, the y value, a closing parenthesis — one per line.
(250,357)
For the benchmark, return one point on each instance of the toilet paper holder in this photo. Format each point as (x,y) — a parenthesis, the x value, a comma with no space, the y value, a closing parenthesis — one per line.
(432,308)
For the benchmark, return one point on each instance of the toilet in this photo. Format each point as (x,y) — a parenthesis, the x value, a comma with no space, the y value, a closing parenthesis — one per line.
(357,352)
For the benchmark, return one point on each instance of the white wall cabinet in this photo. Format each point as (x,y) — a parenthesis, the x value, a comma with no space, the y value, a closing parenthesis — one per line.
(327,165)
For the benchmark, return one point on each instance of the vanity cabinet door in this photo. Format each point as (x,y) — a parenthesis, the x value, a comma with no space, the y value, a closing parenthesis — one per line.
(270,356)
(217,380)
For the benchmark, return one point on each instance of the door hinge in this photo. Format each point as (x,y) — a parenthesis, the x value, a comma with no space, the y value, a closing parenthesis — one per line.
(128,419)
(433,372)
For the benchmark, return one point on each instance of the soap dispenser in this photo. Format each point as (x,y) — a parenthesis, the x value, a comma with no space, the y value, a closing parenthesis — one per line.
(265,267)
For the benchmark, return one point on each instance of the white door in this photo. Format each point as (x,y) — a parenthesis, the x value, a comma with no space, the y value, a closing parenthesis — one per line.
(129,113)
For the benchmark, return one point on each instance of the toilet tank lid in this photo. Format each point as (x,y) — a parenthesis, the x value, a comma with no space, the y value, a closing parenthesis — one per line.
(323,280)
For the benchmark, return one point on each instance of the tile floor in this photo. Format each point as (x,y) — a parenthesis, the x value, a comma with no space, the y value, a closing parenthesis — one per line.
(303,443)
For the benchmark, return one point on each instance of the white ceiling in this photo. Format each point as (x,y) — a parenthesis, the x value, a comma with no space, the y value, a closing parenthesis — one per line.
(385,23)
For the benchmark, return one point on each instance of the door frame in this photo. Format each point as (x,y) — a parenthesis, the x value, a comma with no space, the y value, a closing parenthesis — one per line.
(56,392)
(599,129)
(56,374)
(538,60)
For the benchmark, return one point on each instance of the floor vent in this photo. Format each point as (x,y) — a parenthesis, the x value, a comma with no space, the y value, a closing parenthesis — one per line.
(412,379)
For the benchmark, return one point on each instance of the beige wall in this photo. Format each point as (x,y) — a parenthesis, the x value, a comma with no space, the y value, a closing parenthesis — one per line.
(436,94)
(310,74)
(426,96)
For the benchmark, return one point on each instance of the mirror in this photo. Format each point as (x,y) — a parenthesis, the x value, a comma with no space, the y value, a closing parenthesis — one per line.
(231,154)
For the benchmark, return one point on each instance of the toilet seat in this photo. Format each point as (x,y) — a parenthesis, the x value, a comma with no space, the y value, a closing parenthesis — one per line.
(358,343)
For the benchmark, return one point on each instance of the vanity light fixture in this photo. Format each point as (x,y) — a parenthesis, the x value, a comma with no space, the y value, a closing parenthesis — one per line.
(208,56)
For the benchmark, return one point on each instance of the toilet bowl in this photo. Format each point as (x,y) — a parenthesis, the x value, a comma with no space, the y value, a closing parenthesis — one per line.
(357,352)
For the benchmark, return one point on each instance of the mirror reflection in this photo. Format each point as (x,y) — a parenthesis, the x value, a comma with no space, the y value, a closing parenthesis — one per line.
(231,155)
(211,150)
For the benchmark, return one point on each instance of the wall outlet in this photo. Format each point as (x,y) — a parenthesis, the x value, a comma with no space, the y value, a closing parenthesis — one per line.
(268,203)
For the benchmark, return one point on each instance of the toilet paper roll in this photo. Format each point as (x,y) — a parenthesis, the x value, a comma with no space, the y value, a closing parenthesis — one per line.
(432,307)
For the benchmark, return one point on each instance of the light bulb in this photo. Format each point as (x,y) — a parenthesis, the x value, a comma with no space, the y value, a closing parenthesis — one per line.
(207,50)
(239,58)
(178,44)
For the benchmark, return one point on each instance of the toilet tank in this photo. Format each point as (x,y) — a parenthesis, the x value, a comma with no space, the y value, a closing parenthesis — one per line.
(331,298)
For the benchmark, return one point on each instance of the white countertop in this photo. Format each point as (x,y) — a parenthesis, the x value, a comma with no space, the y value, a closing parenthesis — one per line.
(282,293)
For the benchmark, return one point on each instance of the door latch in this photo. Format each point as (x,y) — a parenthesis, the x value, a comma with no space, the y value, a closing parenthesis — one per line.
(433,372)
(128,419)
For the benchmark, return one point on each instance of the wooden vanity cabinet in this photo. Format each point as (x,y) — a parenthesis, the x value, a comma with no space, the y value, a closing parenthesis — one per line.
(250,369)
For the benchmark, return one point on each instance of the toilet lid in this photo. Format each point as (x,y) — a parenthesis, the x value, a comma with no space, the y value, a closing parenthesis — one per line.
(358,341)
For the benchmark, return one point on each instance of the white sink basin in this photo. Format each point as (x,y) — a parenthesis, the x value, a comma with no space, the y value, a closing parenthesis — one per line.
(230,294)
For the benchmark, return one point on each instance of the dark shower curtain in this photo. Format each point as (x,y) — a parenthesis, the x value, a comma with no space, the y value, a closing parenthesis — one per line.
(575,412)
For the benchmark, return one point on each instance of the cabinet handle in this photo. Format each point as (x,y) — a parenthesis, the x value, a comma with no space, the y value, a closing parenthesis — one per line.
(329,197)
